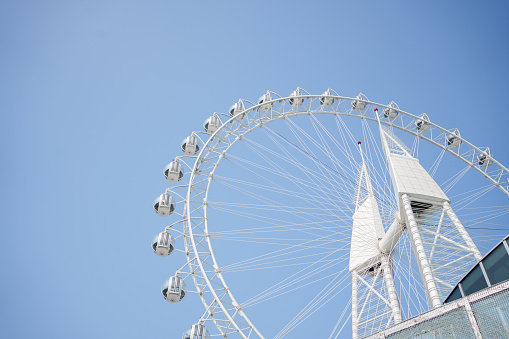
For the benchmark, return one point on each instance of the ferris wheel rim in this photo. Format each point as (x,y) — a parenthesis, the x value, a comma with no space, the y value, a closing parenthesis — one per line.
(279,116)
(361,116)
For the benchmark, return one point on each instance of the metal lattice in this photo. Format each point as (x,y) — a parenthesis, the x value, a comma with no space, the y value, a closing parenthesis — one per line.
(452,325)
(492,315)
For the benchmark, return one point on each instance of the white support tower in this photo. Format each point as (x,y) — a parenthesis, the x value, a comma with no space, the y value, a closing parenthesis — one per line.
(374,297)
(434,229)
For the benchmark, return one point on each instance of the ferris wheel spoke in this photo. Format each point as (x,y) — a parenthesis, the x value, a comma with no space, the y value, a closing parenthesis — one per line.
(437,162)
(327,150)
(331,290)
(346,177)
(489,216)
(268,267)
(287,226)
(289,284)
(312,185)
(466,201)
(340,320)
(311,211)
(307,210)
(380,171)
(312,175)
(304,217)
(453,180)
(306,195)
(269,257)
(305,149)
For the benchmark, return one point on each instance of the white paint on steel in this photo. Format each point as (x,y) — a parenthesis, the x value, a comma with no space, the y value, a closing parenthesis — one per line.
(391,288)
(355,305)
(228,134)
(461,230)
(422,260)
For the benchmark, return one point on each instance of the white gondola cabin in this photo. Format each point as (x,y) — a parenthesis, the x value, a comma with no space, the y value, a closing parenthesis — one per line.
(391,112)
(174,289)
(190,145)
(453,139)
(211,124)
(265,102)
(236,109)
(174,171)
(326,100)
(197,331)
(422,123)
(164,205)
(163,244)
(359,103)
(295,99)
(484,158)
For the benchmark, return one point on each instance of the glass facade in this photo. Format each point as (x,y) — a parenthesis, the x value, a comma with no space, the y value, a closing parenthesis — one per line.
(492,269)
(474,281)
(496,265)
(456,294)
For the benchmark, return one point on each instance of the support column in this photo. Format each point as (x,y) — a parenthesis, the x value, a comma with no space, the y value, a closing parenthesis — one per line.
(392,236)
(355,311)
(462,231)
(391,288)
(426,274)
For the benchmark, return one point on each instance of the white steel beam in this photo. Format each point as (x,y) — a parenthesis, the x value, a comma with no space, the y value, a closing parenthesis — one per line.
(391,238)
(443,237)
(372,289)
(422,260)
(449,263)
(355,317)
(439,227)
(461,230)
(391,288)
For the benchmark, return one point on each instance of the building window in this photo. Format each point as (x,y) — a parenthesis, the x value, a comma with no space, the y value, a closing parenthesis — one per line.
(474,281)
(496,265)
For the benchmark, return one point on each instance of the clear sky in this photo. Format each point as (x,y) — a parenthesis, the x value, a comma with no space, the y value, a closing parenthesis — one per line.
(96,96)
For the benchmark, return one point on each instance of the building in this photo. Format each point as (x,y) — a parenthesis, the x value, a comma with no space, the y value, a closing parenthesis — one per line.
(477,307)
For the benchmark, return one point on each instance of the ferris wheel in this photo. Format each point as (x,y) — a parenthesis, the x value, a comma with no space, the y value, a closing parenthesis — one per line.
(323,215)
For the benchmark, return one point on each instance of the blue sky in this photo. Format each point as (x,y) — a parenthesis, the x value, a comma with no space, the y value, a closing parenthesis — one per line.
(96,96)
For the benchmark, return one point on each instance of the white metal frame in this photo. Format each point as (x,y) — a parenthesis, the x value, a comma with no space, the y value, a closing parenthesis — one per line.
(220,305)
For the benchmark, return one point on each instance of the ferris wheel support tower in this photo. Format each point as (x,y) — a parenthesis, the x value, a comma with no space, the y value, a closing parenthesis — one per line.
(368,264)
(418,197)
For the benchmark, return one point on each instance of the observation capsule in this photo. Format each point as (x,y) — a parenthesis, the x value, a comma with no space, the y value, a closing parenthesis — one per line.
(326,100)
(484,158)
(453,139)
(163,244)
(422,124)
(359,103)
(190,145)
(295,99)
(174,289)
(391,112)
(197,331)
(211,124)
(164,205)
(173,171)
(237,108)
(265,103)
